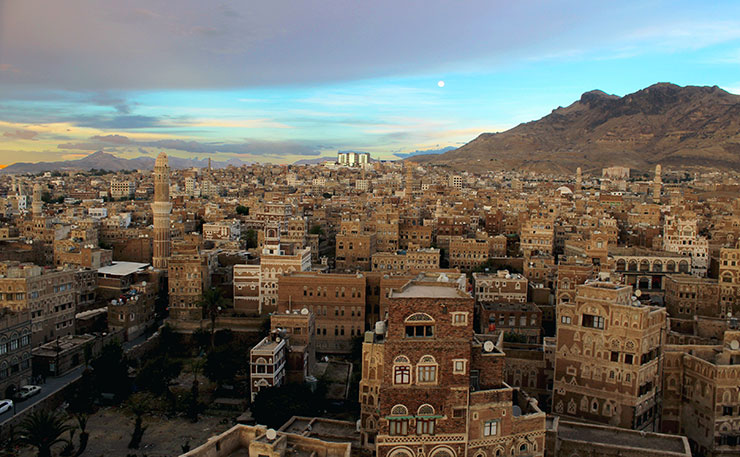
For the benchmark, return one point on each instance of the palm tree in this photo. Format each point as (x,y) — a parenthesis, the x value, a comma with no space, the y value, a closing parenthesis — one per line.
(42,430)
(211,302)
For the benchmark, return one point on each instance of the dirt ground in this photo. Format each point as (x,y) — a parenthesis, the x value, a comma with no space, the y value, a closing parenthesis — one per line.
(110,431)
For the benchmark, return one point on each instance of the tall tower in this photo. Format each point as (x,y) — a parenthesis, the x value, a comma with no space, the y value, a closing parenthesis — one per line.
(161,209)
(579,179)
(37,207)
(657,184)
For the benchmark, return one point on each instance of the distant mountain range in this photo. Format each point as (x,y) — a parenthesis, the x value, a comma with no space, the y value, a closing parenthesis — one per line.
(103,160)
(675,126)
(315,161)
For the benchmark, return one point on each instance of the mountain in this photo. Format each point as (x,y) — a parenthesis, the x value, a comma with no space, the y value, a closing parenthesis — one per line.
(664,123)
(105,161)
(315,161)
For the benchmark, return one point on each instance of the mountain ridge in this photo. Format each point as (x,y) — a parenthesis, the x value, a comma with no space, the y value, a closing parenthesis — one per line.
(663,123)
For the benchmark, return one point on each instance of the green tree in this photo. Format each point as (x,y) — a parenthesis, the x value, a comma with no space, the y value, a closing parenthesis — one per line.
(250,238)
(110,371)
(224,363)
(139,404)
(157,374)
(212,302)
(242,210)
(275,405)
(316,230)
(43,430)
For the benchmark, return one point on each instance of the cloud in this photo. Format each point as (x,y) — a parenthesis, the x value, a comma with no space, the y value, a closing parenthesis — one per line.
(404,155)
(120,122)
(149,46)
(21,134)
(115,139)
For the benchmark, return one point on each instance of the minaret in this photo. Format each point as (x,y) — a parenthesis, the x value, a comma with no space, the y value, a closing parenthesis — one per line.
(657,184)
(37,210)
(161,209)
(579,180)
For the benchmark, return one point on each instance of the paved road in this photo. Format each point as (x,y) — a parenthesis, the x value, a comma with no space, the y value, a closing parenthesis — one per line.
(52,385)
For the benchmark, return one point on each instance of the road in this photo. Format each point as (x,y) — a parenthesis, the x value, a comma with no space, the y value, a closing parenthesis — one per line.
(52,385)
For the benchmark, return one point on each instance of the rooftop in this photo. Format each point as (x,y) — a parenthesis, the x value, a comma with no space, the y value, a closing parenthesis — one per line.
(122,268)
(429,290)
(616,437)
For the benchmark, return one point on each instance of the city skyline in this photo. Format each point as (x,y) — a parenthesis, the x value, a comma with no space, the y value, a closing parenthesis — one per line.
(278,83)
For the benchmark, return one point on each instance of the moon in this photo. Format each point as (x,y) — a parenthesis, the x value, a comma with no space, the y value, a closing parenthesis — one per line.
(441,83)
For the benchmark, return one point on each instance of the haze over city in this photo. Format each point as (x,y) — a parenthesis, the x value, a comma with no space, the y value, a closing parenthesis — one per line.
(281,81)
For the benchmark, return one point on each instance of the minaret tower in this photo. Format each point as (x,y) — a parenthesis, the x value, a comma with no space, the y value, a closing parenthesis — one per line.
(161,209)
(657,184)
(579,180)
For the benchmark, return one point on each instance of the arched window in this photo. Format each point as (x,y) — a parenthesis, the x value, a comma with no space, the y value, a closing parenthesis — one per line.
(401,370)
(426,370)
(399,410)
(419,325)
(425,410)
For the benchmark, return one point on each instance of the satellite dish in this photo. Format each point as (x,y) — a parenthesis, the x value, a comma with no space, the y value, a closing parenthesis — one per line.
(488,346)
(734,345)
(271,434)
(638,293)
(304,311)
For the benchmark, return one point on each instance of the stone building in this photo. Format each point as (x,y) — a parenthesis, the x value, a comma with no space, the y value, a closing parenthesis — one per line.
(15,350)
(161,208)
(336,300)
(701,399)
(50,295)
(537,236)
(468,253)
(354,247)
(299,328)
(609,355)
(411,261)
(122,188)
(681,235)
(502,287)
(729,281)
(520,321)
(267,363)
(688,296)
(189,276)
(247,289)
(442,391)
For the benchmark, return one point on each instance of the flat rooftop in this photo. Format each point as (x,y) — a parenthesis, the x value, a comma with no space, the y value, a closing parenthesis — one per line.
(122,268)
(613,436)
(429,291)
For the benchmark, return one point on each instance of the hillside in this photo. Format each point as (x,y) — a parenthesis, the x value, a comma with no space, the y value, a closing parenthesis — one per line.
(664,123)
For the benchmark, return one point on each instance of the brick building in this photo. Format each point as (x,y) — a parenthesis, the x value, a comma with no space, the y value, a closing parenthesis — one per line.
(468,253)
(502,287)
(15,350)
(442,391)
(688,296)
(336,300)
(189,276)
(354,247)
(609,356)
(523,321)
(299,328)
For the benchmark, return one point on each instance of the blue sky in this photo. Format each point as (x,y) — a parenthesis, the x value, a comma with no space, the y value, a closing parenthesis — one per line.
(282,80)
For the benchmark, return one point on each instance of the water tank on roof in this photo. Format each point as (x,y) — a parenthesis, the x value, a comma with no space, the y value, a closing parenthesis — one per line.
(380,328)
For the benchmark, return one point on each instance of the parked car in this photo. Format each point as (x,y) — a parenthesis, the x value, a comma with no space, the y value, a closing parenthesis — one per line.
(5,405)
(28,391)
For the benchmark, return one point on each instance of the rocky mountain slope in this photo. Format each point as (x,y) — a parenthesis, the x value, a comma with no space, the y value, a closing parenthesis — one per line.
(664,123)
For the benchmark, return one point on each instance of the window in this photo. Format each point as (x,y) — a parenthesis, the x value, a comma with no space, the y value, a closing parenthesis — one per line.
(490,428)
(458,366)
(615,356)
(628,359)
(459,318)
(727,410)
(426,374)
(565,319)
(425,426)
(419,325)
(401,370)
(398,427)
(589,320)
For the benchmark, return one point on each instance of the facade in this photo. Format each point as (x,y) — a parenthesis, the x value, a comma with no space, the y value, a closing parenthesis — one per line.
(701,398)
(161,207)
(608,359)
(502,287)
(188,277)
(354,247)
(50,295)
(267,362)
(468,253)
(680,234)
(688,296)
(15,351)
(247,289)
(122,189)
(299,328)
(537,236)
(222,231)
(336,300)
(442,391)
(729,281)
(521,322)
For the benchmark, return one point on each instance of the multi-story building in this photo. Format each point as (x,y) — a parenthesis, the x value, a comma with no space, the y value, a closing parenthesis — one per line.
(354,247)
(247,289)
(267,361)
(161,209)
(502,287)
(680,234)
(336,300)
(50,295)
(15,350)
(406,261)
(522,322)
(442,391)
(299,328)
(133,311)
(455,181)
(277,259)
(468,253)
(688,296)
(700,395)
(729,281)
(189,276)
(537,236)
(609,356)
(222,231)
(122,188)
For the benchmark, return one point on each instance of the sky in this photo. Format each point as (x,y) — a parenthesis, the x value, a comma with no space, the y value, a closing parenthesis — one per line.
(282,80)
